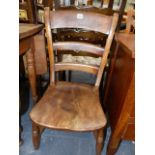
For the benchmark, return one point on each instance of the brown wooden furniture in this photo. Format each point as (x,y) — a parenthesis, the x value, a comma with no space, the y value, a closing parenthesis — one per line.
(120,10)
(39,9)
(26,46)
(86,35)
(39,42)
(120,92)
(54,5)
(41,4)
(39,45)
(66,105)
(26,32)
(26,13)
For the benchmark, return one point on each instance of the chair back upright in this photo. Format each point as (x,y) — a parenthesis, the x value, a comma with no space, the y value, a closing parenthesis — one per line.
(120,10)
(79,19)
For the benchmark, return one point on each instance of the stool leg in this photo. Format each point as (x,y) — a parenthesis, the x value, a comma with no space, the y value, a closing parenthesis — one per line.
(99,135)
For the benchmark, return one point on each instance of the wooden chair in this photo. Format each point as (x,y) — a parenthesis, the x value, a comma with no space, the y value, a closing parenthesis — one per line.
(79,34)
(66,105)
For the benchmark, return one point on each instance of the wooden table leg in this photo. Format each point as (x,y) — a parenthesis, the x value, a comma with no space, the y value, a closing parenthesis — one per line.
(32,80)
(32,71)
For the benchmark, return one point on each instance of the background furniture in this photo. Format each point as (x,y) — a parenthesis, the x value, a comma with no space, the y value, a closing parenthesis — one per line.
(67,105)
(26,47)
(27,14)
(54,5)
(39,9)
(119,95)
(109,6)
(130,21)
(29,8)
(26,11)
(120,9)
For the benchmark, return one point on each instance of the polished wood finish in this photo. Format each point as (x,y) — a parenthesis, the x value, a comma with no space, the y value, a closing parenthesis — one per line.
(77,47)
(78,111)
(72,23)
(26,47)
(40,54)
(120,92)
(89,36)
(66,105)
(77,67)
(28,30)
(127,41)
(25,32)
(99,135)
(84,34)
(78,20)
(55,5)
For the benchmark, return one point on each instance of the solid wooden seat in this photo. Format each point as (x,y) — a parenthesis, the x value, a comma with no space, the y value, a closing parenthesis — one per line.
(73,106)
(70,106)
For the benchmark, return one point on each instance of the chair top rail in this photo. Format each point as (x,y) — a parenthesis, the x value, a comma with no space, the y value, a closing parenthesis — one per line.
(80,19)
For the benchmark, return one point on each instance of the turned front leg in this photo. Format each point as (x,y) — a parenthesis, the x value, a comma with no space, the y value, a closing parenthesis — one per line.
(99,135)
(32,71)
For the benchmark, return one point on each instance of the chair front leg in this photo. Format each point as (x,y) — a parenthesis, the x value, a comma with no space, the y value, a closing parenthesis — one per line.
(36,134)
(99,135)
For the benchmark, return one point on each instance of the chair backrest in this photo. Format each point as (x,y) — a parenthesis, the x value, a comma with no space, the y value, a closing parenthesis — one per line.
(79,19)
